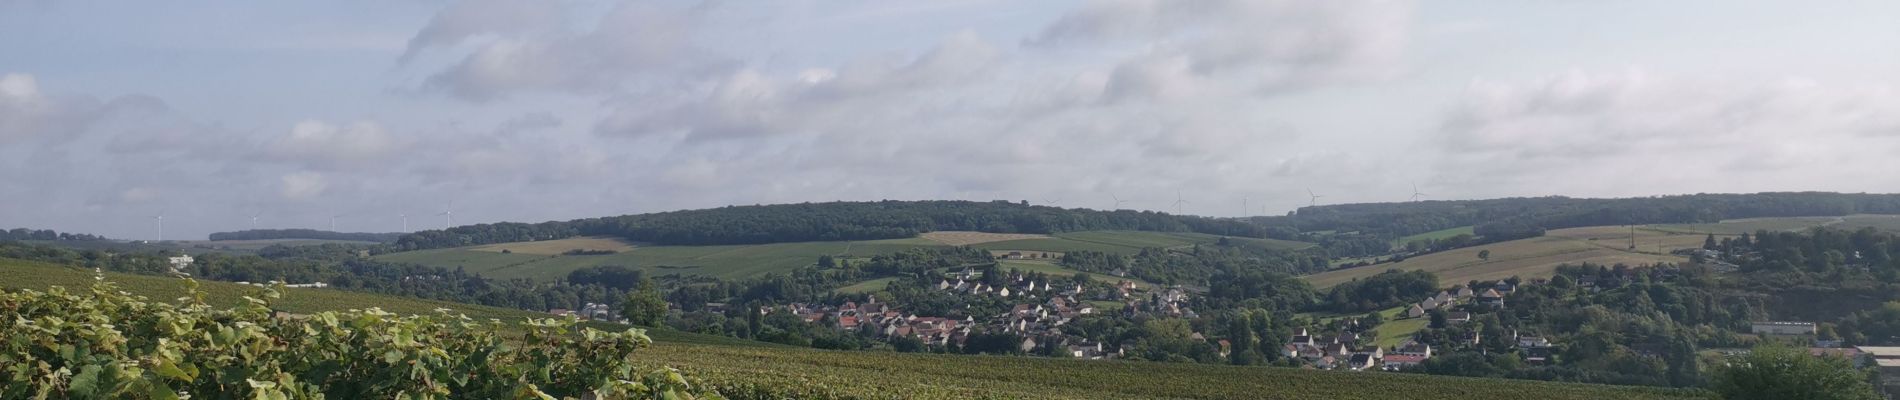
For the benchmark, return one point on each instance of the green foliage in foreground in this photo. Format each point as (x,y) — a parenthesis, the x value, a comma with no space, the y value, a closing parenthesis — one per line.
(1787,373)
(109,344)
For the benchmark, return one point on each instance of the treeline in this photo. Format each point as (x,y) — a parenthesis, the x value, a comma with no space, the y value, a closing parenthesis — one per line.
(1498,219)
(829,222)
(265,234)
(44,234)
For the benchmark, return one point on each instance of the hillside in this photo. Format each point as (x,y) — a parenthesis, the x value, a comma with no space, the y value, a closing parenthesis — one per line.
(544,259)
(737,365)
(833,221)
(1605,245)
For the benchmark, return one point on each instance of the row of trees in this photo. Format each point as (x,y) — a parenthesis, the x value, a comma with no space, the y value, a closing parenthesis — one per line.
(1510,218)
(44,234)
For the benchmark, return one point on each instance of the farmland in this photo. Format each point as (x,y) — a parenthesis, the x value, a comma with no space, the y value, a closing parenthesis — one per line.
(1437,234)
(542,260)
(882,375)
(1608,245)
(742,367)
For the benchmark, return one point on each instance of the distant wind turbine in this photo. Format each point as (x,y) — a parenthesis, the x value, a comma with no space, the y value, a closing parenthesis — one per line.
(333,222)
(1314,200)
(160,219)
(254,220)
(405,222)
(1178,201)
(1415,193)
(448,215)
(1243,206)
(1118,201)
(1047,201)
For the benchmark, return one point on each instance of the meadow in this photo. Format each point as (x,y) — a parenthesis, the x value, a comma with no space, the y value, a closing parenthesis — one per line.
(1437,234)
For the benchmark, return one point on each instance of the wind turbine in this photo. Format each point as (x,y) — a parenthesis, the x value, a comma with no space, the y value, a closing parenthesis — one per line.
(448,215)
(1178,201)
(1314,201)
(405,222)
(333,222)
(1415,193)
(254,220)
(160,218)
(1118,201)
(1047,201)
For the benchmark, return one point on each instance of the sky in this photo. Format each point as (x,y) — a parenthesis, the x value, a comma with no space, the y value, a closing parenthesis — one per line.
(381,115)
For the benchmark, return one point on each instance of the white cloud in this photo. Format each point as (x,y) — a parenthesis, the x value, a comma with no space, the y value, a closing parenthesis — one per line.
(325,144)
(532,53)
(1632,133)
(302,185)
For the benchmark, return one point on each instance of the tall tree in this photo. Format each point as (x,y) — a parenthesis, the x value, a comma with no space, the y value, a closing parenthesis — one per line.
(1785,373)
(645,307)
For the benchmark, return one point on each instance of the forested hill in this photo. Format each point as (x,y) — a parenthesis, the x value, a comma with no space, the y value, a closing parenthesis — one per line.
(262,234)
(827,222)
(1523,216)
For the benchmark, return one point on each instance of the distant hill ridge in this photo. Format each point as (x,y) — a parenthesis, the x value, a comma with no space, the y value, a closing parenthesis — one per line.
(266,234)
(833,221)
(1529,216)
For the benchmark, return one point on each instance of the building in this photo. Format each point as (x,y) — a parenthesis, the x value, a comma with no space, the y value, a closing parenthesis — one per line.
(1887,360)
(1782,328)
(180,263)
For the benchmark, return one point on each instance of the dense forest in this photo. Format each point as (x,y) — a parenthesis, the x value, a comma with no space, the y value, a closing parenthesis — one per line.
(828,222)
(262,234)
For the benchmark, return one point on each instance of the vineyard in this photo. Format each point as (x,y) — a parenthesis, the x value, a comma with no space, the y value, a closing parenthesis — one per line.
(765,372)
(104,343)
(130,361)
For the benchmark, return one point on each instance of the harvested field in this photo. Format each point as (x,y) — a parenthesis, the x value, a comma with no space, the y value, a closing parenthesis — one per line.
(966,238)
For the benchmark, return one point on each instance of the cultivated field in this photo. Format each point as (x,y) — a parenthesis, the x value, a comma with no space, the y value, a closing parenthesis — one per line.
(1437,234)
(1607,245)
(966,238)
(552,247)
(848,375)
(739,367)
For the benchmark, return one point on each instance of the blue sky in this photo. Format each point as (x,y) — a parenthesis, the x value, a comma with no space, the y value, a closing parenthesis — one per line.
(210,112)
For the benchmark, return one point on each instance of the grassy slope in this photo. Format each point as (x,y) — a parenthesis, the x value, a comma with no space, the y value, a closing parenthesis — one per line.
(898,375)
(741,261)
(1437,234)
(1538,257)
(1059,272)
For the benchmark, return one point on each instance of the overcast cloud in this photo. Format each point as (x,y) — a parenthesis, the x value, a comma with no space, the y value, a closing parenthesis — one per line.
(528,111)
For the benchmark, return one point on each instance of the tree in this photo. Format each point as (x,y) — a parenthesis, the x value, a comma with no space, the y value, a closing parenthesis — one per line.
(1708,243)
(1484,254)
(1784,373)
(645,307)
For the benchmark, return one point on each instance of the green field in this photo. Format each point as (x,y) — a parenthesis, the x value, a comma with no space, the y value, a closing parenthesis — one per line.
(870,286)
(734,364)
(744,261)
(1058,271)
(1607,245)
(1395,330)
(1437,234)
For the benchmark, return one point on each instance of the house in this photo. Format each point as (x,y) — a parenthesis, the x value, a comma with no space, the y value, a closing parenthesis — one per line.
(1529,342)
(180,263)
(1782,328)
(1538,355)
(1028,344)
(1413,348)
(1457,317)
(1887,362)
(1464,292)
(1491,297)
(1429,304)
(560,311)
(1505,288)
(1415,311)
(1395,362)
(1442,298)
(1361,361)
